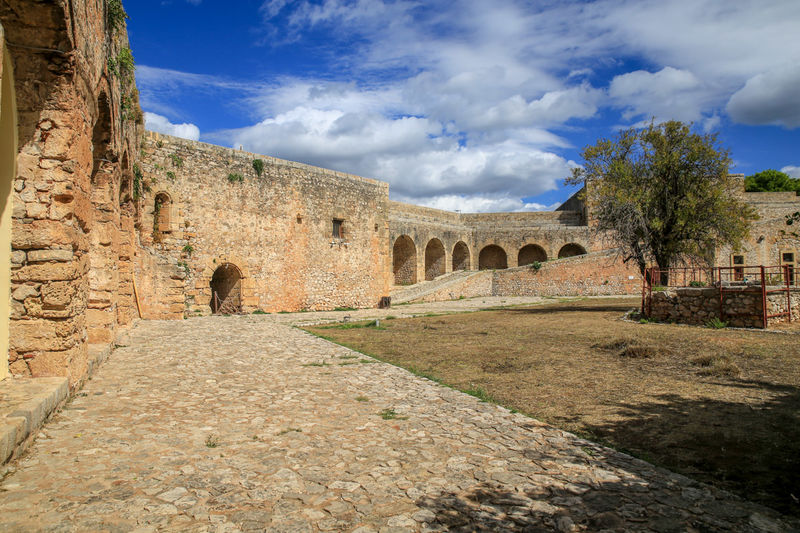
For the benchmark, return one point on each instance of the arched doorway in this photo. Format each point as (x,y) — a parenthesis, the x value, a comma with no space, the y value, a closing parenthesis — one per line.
(226,290)
(460,256)
(162,206)
(570,250)
(404,259)
(8,170)
(434,259)
(492,257)
(531,253)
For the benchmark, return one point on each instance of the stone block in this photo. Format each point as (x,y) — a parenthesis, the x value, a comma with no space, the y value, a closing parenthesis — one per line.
(58,294)
(41,234)
(48,272)
(35,256)
(36,210)
(37,334)
(17,257)
(24,291)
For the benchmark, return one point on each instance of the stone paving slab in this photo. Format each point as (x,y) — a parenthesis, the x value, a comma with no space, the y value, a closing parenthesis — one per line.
(247,424)
(25,404)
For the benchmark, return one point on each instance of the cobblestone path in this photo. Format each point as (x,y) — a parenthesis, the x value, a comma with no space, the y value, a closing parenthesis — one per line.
(235,424)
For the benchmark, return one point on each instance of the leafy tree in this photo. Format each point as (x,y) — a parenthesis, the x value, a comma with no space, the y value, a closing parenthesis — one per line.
(771,181)
(662,195)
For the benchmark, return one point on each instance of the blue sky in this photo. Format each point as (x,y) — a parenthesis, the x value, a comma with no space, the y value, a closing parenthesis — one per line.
(469,105)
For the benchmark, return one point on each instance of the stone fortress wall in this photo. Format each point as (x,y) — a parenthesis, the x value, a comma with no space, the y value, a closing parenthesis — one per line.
(72,218)
(427,243)
(108,224)
(770,238)
(275,231)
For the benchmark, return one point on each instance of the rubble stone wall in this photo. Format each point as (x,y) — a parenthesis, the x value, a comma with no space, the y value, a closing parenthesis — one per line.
(742,306)
(593,274)
(276,228)
(770,237)
(510,231)
(72,221)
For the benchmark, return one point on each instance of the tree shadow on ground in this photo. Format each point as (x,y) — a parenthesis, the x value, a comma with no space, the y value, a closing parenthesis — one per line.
(610,506)
(751,449)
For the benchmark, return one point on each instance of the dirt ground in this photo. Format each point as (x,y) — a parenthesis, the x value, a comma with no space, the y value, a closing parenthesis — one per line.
(722,406)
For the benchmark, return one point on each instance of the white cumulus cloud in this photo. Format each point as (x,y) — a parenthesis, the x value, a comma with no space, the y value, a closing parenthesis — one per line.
(792,170)
(161,124)
(769,98)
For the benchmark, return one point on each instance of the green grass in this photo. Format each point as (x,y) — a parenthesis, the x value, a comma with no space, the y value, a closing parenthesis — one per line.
(212,441)
(290,430)
(344,308)
(323,363)
(480,393)
(391,414)
(362,399)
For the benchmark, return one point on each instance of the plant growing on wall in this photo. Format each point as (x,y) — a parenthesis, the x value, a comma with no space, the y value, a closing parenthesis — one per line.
(170,175)
(258,166)
(125,63)
(234,177)
(138,178)
(177,161)
(188,249)
(790,220)
(115,15)
(156,213)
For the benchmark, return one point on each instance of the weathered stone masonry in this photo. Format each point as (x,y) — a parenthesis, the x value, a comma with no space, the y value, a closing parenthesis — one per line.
(277,229)
(106,225)
(71,227)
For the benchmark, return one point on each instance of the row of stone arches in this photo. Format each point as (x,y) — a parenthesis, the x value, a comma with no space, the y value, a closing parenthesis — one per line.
(492,256)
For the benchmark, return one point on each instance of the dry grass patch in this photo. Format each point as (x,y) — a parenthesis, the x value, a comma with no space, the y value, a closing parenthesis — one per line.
(722,406)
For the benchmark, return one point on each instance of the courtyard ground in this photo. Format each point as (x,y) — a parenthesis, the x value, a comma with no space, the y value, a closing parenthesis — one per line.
(722,406)
(250,424)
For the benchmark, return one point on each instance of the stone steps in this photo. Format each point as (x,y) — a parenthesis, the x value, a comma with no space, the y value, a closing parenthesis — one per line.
(409,293)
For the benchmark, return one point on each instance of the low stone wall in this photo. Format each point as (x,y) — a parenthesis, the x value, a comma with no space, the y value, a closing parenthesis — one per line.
(594,274)
(741,306)
(776,303)
(586,275)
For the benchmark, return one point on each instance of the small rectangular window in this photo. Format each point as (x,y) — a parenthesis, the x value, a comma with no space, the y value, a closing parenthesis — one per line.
(788,257)
(338,228)
(738,259)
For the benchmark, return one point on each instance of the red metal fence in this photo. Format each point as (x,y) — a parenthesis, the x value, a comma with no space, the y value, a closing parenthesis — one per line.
(764,279)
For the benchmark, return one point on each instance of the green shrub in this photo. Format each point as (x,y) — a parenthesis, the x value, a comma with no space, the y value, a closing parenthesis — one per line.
(188,249)
(177,161)
(697,284)
(258,166)
(716,323)
(536,265)
(234,177)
